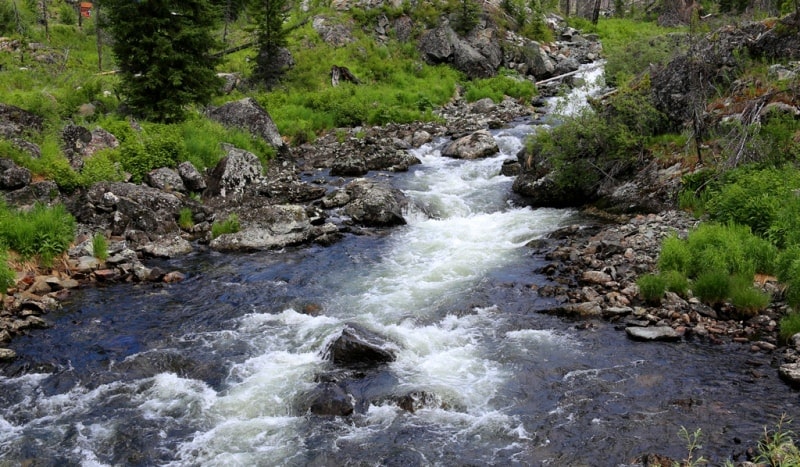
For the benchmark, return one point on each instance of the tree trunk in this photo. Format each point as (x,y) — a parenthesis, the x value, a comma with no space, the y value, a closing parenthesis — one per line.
(596,11)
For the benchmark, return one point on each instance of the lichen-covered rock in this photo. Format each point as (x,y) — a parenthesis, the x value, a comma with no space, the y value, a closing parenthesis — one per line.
(277,226)
(230,177)
(479,144)
(15,122)
(652,333)
(375,204)
(165,179)
(248,115)
(192,178)
(12,176)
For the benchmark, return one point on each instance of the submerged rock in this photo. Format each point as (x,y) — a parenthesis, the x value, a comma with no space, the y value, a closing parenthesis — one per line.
(652,333)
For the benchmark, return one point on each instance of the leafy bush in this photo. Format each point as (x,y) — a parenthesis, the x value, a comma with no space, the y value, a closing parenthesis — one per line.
(746,298)
(712,287)
(498,87)
(722,248)
(160,146)
(100,247)
(755,198)
(651,287)
(229,225)
(100,167)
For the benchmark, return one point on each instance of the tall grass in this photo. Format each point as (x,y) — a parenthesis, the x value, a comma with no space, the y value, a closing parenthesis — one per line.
(43,231)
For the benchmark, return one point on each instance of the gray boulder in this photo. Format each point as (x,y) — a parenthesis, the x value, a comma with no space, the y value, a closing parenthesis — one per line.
(374,204)
(358,347)
(165,179)
(474,146)
(349,166)
(248,115)
(192,178)
(234,173)
(790,373)
(125,207)
(273,227)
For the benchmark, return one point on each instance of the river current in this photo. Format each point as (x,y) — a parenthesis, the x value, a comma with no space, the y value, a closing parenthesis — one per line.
(212,371)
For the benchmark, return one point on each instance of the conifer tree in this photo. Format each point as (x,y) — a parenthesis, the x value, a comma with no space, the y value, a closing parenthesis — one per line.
(163,51)
(271,38)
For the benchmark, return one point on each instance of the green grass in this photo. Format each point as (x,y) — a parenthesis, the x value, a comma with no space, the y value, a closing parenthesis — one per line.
(8,276)
(100,246)
(228,226)
(46,232)
(651,287)
(789,326)
(185,219)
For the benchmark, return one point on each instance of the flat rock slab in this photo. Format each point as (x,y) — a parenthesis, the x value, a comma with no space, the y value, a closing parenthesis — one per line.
(652,333)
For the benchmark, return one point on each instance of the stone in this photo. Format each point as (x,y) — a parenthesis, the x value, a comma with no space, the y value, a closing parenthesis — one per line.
(167,247)
(790,373)
(652,333)
(230,177)
(277,226)
(375,204)
(174,276)
(579,310)
(165,179)
(247,114)
(192,178)
(359,347)
(329,399)
(15,121)
(477,145)
(14,177)
(349,166)
(595,277)
(7,354)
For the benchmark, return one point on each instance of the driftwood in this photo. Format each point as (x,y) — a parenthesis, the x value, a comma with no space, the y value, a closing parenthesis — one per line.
(562,76)
(342,73)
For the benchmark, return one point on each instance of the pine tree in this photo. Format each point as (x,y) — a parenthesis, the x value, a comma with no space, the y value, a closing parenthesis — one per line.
(271,38)
(163,51)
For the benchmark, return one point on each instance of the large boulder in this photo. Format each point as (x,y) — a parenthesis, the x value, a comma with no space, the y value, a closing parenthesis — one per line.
(352,165)
(359,347)
(474,146)
(374,204)
(231,176)
(165,179)
(443,45)
(272,227)
(248,115)
(125,207)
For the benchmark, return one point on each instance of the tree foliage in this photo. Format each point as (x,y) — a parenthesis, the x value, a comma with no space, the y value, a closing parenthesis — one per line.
(163,50)
(270,16)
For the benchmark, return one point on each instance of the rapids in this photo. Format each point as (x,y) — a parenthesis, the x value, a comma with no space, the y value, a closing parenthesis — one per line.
(212,371)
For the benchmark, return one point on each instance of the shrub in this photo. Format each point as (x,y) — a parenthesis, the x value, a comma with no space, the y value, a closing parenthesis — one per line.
(651,287)
(676,282)
(674,255)
(229,225)
(712,287)
(160,146)
(185,219)
(100,167)
(498,87)
(747,299)
(100,247)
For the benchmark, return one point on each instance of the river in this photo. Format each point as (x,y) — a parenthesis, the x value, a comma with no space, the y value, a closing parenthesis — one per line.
(214,370)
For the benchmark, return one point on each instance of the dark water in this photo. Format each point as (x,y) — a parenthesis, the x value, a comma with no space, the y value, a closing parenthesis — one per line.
(215,370)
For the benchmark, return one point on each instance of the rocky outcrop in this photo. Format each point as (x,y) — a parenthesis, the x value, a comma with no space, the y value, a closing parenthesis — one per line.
(374,204)
(12,176)
(138,212)
(248,115)
(477,145)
